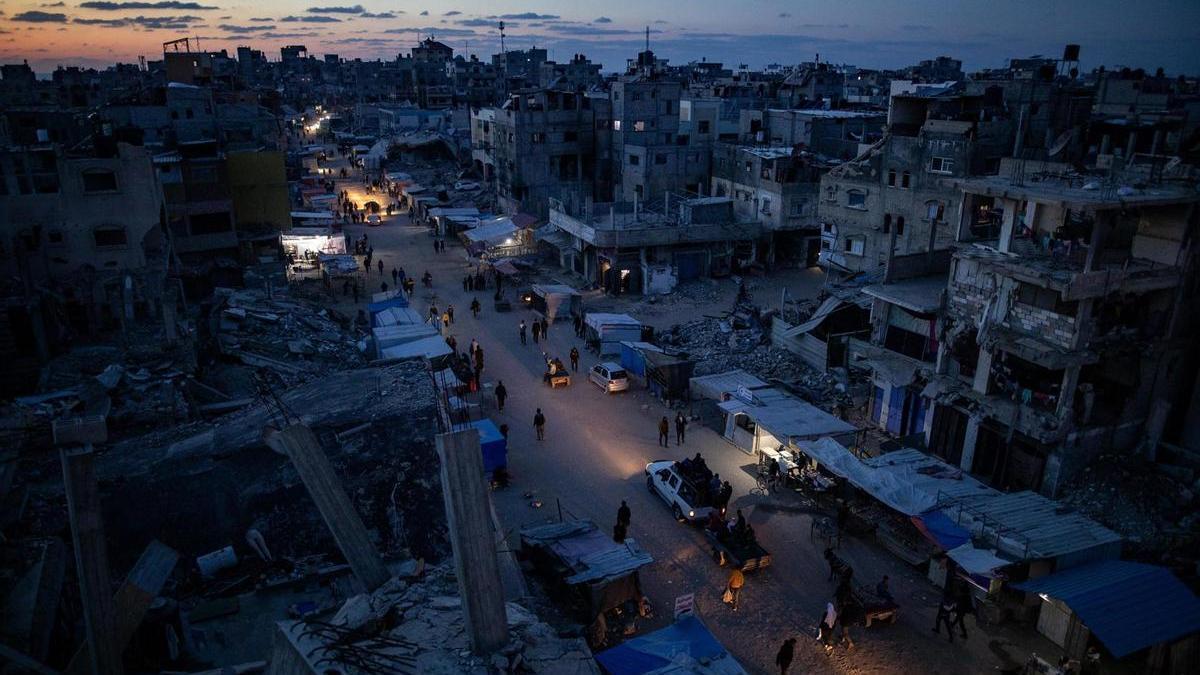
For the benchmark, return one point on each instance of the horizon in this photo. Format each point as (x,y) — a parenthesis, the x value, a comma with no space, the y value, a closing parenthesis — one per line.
(99,34)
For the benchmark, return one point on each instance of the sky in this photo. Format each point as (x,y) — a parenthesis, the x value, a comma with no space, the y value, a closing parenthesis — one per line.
(869,33)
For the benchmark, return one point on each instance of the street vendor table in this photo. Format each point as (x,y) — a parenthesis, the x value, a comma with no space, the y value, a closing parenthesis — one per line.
(786,461)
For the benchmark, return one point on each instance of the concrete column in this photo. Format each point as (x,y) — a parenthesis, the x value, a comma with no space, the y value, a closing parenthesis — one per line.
(983,371)
(91,558)
(969,439)
(1105,144)
(1066,399)
(1007,225)
(300,445)
(473,540)
(168,315)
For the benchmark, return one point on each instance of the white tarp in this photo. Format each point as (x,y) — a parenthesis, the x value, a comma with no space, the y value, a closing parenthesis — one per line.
(825,309)
(393,316)
(430,347)
(908,481)
(492,231)
(977,561)
(390,336)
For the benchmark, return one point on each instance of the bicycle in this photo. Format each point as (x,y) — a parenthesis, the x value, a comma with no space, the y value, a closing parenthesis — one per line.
(762,484)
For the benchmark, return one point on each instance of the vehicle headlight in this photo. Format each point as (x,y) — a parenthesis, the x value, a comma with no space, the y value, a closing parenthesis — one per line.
(691,514)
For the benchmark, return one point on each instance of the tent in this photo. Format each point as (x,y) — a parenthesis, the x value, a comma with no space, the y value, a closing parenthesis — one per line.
(382,301)
(610,330)
(398,334)
(433,347)
(556,301)
(686,646)
(493,444)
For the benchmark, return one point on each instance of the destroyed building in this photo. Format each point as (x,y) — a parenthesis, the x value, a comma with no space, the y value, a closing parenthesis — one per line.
(647,248)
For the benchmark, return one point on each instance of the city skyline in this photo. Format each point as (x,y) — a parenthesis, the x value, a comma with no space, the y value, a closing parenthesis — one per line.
(870,33)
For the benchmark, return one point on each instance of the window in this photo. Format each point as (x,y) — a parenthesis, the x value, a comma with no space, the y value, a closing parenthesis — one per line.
(887,223)
(670,107)
(766,206)
(900,226)
(827,228)
(941,165)
(616,125)
(891,179)
(635,96)
(905,180)
(109,236)
(634,160)
(639,125)
(99,181)
(56,237)
(854,246)
(211,223)
(798,206)
(570,136)
(639,191)
(660,158)
(1045,298)
(934,210)
(856,199)
(537,137)
(667,138)
(703,126)
(616,96)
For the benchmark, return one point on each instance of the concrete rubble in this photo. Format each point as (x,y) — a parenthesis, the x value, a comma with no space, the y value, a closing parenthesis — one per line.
(418,626)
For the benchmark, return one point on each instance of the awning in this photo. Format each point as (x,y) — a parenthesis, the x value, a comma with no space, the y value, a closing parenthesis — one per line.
(496,230)
(979,562)
(683,647)
(1128,606)
(941,530)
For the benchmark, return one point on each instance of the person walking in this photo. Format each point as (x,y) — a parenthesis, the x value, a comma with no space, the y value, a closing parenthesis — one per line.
(783,658)
(680,427)
(395,276)
(474,345)
(664,431)
(962,607)
(537,330)
(828,620)
(521,328)
(501,394)
(467,284)
(475,307)
(545,329)
(450,313)
(539,424)
(943,617)
(623,514)
(733,590)
(435,245)
(479,359)
(447,319)
(380,268)
(574,359)
(578,325)
(383,287)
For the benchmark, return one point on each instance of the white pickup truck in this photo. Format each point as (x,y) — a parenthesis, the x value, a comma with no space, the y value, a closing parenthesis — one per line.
(687,501)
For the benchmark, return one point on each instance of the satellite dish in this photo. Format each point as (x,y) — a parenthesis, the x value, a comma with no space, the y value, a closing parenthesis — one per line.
(1061,142)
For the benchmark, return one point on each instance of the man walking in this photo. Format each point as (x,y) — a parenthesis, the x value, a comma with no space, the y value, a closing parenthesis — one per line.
(962,607)
(828,620)
(380,268)
(574,359)
(943,617)
(680,427)
(479,359)
(623,514)
(539,424)
(783,658)
(733,590)
(522,329)
(475,307)
(501,394)
(664,430)
(395,276)
(537,330)
(578,325)
(450,313)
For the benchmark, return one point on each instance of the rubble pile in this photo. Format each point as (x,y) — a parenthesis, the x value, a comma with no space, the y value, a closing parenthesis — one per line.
(717,347)
(1153,511)
(419,626)
(295,338)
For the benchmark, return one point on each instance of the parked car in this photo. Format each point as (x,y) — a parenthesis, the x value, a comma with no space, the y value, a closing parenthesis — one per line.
(609,377)
(373,221)
(666,479)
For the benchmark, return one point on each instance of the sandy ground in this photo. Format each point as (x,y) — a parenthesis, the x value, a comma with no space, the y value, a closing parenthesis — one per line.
(594,455)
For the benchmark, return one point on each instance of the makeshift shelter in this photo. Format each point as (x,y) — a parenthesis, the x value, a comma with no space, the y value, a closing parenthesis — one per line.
(433,348)
(386,300)
(394,316)
(308,242)
(770,418)
(813,341)
(667,376)
(493,237)
(556,301)
(608,331)
(398,334)
(493,444)
(719,386)
(685,646)
(633,357)
(589,569)
(1127,606)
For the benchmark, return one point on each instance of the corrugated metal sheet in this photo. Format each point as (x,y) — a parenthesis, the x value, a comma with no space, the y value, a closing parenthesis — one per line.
(595,557)
(713,386)
(1128,606)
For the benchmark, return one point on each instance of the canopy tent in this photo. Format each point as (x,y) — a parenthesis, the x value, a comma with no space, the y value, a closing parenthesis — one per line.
(1128,606)
(496,231)
(493,444)
(556,300)
(907,480)
(686,646)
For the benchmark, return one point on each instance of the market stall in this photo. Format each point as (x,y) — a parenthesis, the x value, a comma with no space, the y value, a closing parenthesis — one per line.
(557,301)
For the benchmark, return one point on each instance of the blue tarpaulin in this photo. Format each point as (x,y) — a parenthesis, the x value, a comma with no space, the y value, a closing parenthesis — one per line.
(941,530)
(397,300)
(685,646)
(493,444)
(1128,606)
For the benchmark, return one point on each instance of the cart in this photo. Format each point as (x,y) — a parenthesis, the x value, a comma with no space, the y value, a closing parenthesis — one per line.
(556,374)
(746,557)
(872,607)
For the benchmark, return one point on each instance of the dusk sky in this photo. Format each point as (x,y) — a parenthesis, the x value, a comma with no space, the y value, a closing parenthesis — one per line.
(871,33)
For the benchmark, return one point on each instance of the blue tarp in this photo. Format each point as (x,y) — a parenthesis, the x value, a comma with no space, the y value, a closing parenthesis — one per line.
(493,444)
(1128,606)
(633,357)
(685,643)
(397,300)
(941,530)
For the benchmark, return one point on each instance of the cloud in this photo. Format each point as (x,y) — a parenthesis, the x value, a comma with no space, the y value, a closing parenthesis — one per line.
(35,16)
(425,12)
(916,27)
(355,9)
(603,19)
(147,22)
(438,32)
(310,19)
(379,15)
(53,4)
(262,19)
(165,4)
(453,12)
(585,30)
(784,15)
(480,23)
(288,36)
(529,16)
(824,25)
(234,28)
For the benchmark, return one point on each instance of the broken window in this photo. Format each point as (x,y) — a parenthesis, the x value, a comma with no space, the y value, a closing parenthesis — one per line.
(856,199)
(854,246)
(570,136)
(941,165)
(109,236)
(639,125)
(934,210)
(905,179)
(887,223)
(537,137)
(900,226)
(634,160)
(660,158)
(798,206)
(97,180)
(891,178)
(702,126)
(766,206)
